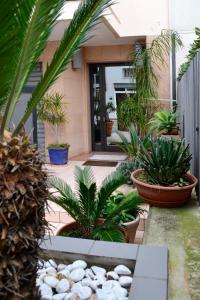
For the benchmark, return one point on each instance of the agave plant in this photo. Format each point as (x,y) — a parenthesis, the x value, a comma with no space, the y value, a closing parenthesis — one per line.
(166,161)
(87,203)
(164,120)
(25,26)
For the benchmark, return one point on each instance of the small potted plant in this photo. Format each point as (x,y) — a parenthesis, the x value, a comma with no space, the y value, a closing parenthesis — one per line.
(165,122)
(51,111)
(87,204)
(129,211)
(164,180)
(109,124)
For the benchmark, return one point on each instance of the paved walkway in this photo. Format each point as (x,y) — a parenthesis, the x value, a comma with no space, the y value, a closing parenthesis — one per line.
(57,217)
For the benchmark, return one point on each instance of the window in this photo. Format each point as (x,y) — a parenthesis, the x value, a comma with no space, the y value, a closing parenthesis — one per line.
(127,72)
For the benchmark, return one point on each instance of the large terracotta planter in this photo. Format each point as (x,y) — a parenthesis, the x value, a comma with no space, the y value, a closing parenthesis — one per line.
(129,229)
(161,196)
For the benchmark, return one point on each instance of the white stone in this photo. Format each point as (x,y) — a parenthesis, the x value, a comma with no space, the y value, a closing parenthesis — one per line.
(70,296)
(53,263)
(69,267)
(64,272)
(39,282)
(86,282)
(61,267)
(98,271)
(47,264)
(89,273)
(41,271)
(125,281)
(107,285)
(84,292)
(42,276)
(104,295)
(62,286)
(122,270)
(46,297)
(59,296)
(77,275)
(51,281)
(120,292)
(79,264)
(101,279)
(51,271)
(76,286)
(46,290)
(113,275)
(94,284)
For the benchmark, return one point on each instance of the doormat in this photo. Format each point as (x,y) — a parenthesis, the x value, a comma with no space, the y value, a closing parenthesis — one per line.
(108,157)
(100,163)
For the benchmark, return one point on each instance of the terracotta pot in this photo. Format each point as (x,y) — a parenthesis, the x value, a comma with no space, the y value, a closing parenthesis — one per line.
(173,131)
(161,196)
(130,229)
(109,126)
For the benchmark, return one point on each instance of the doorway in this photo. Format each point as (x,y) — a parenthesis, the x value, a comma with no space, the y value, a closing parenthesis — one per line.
(110,84)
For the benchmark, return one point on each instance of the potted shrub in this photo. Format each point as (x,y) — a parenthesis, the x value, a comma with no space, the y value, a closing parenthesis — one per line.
(50,110)
(127,167)
(129,210)
(165,122)
(164,180)
(109,124)
(87,204)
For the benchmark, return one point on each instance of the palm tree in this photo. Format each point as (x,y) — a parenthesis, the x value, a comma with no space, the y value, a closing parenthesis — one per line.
(25,26)
(86,204)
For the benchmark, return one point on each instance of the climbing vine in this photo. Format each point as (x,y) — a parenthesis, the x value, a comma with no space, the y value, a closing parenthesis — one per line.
(195,47)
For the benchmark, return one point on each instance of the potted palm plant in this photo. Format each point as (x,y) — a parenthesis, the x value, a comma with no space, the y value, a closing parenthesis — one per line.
(50,110)
(165,122)
(164,180)
(89,207)
(109,123)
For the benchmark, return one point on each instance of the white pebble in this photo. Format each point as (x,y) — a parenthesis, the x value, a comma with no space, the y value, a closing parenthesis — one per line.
(113,275)
(51,271)
(51,281)
(125,281)
(53,263)
(79,264)
(59,296)
(61,267)
(120,292)
(76,286)
(98,270)
(77,275)
(41,271)
(64,272)
(46,297)
(46,290)
(62,286)
(86,282)
(104,295)
(122,270)
(89,273)
(70,296)
(84,292)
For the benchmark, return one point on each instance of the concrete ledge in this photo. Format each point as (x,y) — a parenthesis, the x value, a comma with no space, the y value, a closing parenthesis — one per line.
(149,264)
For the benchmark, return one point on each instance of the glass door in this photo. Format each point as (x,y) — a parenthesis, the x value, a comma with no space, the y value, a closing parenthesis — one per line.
(110,85)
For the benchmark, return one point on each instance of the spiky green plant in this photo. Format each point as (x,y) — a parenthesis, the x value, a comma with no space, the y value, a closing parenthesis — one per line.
(25,26)
(164,120)
(127,167)
(87,203)
(166,161)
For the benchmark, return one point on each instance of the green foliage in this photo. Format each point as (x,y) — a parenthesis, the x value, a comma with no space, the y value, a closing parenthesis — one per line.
(50,109)
(25,26)
(126,168)
(86,204)
(164,120)
(132,147)
(58,146)
(166,161)
(141,107)
(109,108)
(195,47)
(128,207)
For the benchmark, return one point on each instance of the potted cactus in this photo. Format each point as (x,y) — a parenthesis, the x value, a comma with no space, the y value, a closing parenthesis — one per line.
(164,180)
(50,110)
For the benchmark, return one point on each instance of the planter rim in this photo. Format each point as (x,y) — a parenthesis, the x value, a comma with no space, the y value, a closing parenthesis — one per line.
(190,177)
(132,222)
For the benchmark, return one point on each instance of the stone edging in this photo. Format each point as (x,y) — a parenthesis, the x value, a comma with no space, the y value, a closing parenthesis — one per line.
(150,264)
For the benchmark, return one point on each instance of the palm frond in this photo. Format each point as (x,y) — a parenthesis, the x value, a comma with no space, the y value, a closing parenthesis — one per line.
(35,20)
(86,16)
(84,175)
(108,186)
(109,232)
(66,199)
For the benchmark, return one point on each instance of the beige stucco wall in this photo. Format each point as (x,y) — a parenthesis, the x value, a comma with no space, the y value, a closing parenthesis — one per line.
(74,85)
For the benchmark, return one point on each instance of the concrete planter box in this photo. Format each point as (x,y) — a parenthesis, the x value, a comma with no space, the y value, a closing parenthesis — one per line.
(149,264)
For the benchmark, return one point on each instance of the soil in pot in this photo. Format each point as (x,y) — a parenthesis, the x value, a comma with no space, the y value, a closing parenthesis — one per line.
(161,196)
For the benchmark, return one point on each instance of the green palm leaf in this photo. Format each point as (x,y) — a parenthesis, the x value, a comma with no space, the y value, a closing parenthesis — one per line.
(35,18)
(75,35)
(111,233)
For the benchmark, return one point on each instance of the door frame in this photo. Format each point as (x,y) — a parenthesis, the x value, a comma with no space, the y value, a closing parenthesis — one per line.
(103,146)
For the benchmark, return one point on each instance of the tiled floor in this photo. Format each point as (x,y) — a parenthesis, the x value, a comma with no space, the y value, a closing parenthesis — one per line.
(57,217)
